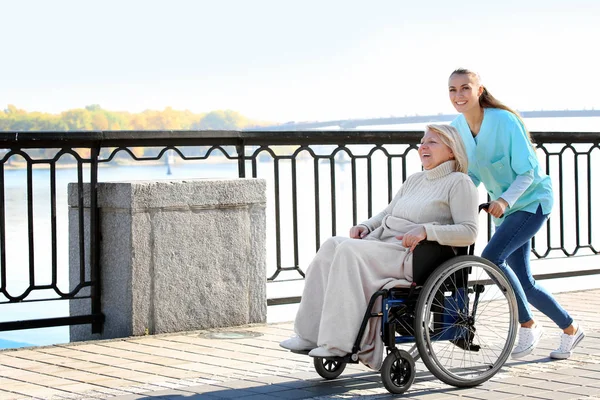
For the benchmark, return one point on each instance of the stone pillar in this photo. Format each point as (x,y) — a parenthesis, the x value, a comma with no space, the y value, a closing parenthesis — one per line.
(174,256)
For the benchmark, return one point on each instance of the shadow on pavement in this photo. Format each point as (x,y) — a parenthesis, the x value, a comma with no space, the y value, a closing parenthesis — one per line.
(359,385)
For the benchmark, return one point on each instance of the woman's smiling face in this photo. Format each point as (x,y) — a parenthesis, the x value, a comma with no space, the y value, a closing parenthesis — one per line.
(464,91)
(433,151)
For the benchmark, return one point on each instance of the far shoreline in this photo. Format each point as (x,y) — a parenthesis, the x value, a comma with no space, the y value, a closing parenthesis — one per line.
(113,163)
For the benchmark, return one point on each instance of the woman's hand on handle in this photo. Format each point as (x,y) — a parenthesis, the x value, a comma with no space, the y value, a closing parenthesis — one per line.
(358,232)
(412,238)
(497,207)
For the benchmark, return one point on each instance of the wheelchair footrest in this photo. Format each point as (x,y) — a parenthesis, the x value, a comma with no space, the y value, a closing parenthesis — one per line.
(304,352)
(465,345)
(345,359)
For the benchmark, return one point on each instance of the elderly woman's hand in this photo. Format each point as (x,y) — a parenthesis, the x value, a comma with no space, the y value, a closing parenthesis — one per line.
(412,238)
(358,232)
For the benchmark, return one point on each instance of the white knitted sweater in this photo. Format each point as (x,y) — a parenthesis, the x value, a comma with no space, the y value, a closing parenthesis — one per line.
(442,200)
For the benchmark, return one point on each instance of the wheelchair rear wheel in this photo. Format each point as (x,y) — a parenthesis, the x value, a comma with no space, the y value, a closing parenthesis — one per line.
(466,321)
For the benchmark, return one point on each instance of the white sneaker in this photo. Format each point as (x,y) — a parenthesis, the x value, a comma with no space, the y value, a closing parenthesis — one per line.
(567,344)
(528,339)
(296,343)
(324,352)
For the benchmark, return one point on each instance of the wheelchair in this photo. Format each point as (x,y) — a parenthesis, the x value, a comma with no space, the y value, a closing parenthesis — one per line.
(459,314)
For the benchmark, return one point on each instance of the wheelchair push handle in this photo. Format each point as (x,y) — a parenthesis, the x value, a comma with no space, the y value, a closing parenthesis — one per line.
(485,206)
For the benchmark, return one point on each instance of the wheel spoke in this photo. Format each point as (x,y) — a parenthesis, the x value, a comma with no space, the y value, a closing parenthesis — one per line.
(329,369)
(398,371)
(479,345)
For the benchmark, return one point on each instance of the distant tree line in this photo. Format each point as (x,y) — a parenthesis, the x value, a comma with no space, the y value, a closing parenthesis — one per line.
(94,118)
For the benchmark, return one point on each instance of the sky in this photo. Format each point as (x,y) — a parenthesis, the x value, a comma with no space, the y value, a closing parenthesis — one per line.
(288,60)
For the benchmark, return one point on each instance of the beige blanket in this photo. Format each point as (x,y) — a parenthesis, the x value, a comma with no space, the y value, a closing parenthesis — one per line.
(339,284)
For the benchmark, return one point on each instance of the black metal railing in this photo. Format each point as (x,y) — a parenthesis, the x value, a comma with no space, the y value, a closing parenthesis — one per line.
(320,183)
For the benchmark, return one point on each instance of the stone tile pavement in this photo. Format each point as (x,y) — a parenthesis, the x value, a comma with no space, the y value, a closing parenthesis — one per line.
(247,363)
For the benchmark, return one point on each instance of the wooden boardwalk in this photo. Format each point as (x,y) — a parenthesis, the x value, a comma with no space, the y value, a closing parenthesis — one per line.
(247,362)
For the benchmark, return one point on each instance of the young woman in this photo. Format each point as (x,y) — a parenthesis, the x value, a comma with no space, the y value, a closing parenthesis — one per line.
(439,204)
(502,157)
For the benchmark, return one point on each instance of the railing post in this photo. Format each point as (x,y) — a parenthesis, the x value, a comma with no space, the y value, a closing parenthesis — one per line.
(95,238)
(241,153)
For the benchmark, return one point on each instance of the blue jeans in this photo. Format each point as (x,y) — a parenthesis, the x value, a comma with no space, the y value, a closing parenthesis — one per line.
(511,243)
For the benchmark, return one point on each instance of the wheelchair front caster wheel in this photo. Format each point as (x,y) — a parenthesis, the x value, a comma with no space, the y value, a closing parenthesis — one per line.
(398,371)
(329,369)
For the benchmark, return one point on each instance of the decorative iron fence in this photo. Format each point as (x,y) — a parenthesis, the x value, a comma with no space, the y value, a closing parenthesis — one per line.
(320,183)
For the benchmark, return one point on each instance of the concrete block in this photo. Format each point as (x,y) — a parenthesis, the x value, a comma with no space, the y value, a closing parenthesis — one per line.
(174,256)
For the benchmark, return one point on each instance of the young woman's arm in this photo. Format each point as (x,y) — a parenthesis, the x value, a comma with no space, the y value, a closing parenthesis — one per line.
(517,188)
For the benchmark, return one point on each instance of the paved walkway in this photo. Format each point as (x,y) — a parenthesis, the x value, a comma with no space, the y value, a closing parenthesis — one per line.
(248,363)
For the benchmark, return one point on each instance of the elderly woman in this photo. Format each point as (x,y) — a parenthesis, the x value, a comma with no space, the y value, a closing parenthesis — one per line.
(437,204)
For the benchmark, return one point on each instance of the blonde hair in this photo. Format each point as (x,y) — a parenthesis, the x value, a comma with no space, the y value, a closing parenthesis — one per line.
(451,138)
(486,100)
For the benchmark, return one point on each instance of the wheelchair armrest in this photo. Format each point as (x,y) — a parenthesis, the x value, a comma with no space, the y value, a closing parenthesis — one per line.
(428,255)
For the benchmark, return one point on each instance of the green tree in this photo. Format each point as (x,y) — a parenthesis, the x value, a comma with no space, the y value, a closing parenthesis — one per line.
(78,120)
(93,107)
(222,120)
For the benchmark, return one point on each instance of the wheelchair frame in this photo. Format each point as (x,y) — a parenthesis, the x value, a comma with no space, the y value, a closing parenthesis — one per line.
(443,309)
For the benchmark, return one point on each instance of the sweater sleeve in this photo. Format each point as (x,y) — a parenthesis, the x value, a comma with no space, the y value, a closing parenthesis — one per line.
(463,199)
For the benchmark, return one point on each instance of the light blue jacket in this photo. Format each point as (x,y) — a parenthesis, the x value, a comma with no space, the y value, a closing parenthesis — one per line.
(503,151)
